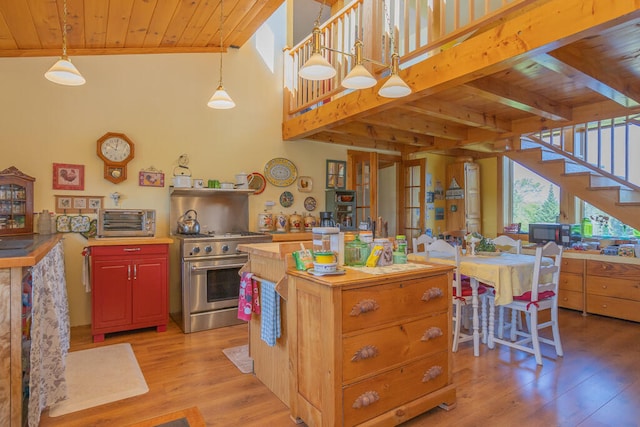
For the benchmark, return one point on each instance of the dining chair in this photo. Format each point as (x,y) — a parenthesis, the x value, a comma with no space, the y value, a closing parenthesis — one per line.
(510,245)
(543,296)
(423,240)
(462,292)
(455,236)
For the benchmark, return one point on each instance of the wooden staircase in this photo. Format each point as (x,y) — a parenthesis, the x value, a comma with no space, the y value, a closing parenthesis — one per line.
(607,192)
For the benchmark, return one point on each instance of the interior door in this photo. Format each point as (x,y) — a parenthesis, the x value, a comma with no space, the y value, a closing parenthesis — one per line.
(376,179)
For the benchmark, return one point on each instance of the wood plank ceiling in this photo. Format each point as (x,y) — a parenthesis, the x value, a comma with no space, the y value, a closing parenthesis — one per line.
(555,64)
(99,27)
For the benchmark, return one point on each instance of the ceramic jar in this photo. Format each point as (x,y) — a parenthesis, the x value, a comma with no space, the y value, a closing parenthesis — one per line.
(295,223)
(265,221)
(282,221)
(309,222)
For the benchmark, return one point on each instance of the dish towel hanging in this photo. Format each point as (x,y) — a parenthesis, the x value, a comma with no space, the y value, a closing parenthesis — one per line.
(245,297)
(270,328)
(86,270)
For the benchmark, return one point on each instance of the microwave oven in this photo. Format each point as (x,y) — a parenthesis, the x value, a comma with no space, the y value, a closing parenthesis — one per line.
(126,223)
(550,232)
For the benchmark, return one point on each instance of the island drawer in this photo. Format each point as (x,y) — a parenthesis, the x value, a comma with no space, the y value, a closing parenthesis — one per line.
(379,349)
(376,305)
(393,388)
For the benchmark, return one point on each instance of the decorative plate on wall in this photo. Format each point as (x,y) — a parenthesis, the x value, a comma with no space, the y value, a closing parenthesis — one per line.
(286,199)
(257,182)
(280,172)
(310,203)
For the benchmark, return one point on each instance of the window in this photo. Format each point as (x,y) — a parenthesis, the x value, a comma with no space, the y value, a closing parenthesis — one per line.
(529,197)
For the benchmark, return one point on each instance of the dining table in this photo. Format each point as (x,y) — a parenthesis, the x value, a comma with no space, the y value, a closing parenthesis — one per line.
(507,273)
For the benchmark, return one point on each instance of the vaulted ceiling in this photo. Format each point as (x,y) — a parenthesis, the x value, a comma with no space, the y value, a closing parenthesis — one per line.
(99,27)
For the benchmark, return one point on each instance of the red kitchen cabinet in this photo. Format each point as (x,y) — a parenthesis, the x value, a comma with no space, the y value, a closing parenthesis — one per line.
(129,286)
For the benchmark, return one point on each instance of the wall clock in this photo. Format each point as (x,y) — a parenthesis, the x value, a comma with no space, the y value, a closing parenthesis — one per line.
(115,150)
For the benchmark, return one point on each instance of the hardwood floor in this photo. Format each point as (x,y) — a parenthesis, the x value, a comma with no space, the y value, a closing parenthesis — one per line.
(596,383)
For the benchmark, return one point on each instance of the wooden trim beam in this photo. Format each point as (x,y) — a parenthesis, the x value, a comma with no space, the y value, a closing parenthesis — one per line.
(348,140)
(516,97)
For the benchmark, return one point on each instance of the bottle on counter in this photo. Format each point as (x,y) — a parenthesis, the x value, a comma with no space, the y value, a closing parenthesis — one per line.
(586,227)
(401,243)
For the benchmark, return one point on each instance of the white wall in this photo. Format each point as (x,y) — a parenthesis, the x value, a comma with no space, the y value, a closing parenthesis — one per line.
(158,101)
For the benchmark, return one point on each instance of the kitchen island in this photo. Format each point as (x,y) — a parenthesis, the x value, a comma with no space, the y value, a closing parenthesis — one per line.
(41,258)
(361,348)
(370,349)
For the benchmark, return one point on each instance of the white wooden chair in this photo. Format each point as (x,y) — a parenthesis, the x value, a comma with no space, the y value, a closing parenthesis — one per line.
(462,293)
(422,240)
(505,244)
(543,296)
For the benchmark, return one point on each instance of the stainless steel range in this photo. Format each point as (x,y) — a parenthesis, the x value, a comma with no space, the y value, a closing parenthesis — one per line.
(205,296)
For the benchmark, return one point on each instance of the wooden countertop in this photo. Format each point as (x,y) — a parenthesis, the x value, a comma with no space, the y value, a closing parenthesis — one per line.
(291,237)
(275,250)
(592,255)
(117,241)
(43,244)
(358,277)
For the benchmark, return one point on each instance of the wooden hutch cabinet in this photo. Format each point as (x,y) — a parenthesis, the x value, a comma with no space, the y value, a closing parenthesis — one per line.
(129,286)
(464,209)
(16,202)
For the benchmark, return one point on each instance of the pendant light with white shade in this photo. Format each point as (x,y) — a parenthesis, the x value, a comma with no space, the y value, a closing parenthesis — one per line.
(221,99)
(318,68)
(63,72)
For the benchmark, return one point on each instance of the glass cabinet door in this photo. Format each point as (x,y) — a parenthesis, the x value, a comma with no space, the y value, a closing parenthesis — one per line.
(16,202)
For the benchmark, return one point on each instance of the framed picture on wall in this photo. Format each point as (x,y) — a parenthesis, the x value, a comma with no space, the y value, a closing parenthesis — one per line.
(68,177)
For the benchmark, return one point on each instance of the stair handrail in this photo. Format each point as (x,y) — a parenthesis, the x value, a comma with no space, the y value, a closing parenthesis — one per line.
(581,162)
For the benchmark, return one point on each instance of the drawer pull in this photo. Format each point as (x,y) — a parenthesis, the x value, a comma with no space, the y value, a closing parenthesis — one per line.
(364,306)
(431,294)
(432,373)
(431,333)
(365,353)
(366,399)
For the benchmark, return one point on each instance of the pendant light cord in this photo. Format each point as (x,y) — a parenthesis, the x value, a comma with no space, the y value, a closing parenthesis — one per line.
(64,30)
(317,22)
(221,21)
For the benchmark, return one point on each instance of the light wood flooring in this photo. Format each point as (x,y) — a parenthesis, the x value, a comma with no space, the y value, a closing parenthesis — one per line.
(596,383)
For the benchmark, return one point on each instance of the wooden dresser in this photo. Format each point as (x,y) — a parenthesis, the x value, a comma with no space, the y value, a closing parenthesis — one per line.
(370,349)
(613,289)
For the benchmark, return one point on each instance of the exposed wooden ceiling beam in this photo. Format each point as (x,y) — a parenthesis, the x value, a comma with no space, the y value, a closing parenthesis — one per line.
(351,141)
(383,133)
(459,114)
(594,75)
(519,98)
(417,123)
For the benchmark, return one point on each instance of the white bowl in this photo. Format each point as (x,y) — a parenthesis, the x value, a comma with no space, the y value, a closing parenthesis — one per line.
(324,268)
(226,185)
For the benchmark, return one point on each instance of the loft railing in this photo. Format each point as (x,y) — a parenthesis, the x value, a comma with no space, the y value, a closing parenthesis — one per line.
(604,146)
(421,28)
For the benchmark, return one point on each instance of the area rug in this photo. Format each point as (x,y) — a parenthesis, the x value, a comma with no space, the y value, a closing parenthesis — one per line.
(190,417)
(100,375)
(240,357)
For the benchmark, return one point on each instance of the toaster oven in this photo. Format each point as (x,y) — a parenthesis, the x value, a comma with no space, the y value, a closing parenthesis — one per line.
(550,232)
(126,223)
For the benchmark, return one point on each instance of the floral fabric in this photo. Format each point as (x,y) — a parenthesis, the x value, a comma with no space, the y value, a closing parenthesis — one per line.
(50,334)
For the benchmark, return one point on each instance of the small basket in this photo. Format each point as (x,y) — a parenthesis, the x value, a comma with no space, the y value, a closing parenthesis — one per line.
(512,228)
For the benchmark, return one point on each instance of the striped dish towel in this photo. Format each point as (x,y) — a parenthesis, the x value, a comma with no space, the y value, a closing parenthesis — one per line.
(270,327)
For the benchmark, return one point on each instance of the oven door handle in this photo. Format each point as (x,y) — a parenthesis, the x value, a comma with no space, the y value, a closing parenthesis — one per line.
(216,267)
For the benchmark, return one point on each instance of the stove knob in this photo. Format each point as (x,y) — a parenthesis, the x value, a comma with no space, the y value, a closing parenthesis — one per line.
(225,248)
(195,250)
(207,249)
